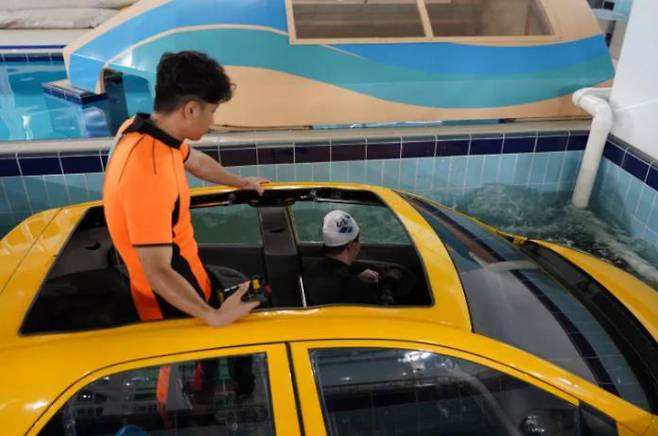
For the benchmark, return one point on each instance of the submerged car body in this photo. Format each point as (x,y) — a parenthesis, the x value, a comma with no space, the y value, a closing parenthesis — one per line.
(494,334)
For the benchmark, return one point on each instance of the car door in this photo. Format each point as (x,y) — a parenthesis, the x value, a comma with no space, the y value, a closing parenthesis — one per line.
(232,391)
(395,388)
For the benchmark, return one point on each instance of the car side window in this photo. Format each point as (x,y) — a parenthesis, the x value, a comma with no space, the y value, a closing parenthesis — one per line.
(400,392)
(227,396)
(234,224)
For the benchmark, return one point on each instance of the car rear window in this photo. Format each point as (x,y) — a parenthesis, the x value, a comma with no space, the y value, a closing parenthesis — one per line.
(514,299)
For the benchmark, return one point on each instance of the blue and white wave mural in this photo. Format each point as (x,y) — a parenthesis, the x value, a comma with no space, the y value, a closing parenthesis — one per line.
(280,83)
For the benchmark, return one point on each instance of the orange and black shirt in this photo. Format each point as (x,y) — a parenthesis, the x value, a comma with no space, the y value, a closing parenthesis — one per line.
(147,203)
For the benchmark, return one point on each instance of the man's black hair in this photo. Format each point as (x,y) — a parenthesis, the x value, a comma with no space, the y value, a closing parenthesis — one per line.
(189,75)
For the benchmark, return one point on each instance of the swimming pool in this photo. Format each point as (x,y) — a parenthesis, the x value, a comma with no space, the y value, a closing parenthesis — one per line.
(526,193)
(28,113)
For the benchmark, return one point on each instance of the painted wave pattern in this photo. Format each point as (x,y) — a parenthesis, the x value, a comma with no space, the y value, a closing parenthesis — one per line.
(374,77)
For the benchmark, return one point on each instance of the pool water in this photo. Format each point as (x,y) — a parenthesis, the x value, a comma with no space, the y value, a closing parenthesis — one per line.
(27,113)
(550,216)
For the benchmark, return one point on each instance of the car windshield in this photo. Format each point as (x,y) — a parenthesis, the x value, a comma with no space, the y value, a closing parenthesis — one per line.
(513,299)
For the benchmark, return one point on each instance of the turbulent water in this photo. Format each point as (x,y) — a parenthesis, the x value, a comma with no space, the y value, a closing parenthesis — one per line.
(550,216)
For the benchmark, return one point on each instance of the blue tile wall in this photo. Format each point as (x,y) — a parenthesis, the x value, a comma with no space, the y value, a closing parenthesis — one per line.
(446,166)
(626,190)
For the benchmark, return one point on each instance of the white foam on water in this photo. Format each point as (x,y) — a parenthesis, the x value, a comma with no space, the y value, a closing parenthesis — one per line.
(550,216)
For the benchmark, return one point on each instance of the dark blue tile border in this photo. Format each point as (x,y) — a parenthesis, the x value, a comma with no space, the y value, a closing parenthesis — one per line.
(420,147)
(14,57)
(9,167)
(29,47)
(388,148)
(276,155)
(38,57)
(548,143)
(39,165)
(309,152)
(77,96)
(456,146)
(105,155)
(31,57)
(519,144)
(577,140)
(486,145)
(357,149)
(79,164)
(213,152)
(632,160)
(652,177)
(241,156)
(613,153)
(635,166)
(348,150)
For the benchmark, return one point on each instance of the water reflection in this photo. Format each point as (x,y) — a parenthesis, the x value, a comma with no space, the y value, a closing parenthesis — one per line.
(27,113)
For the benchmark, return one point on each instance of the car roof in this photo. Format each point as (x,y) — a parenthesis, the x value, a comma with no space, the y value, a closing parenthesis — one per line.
(28,252)
(17,294)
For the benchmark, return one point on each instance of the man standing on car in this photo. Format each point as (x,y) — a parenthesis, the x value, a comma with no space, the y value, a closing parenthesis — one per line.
(147,199)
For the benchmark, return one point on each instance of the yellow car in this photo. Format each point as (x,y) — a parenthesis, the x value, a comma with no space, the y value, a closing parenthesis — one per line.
(483,334)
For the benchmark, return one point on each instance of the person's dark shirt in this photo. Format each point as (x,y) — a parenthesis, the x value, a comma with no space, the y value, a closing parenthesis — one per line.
(332,281)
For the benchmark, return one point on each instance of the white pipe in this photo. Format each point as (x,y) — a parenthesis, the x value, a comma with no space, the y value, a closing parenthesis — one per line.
(595,102)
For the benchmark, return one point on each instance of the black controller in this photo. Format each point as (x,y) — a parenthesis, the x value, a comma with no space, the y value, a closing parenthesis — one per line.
(259,290)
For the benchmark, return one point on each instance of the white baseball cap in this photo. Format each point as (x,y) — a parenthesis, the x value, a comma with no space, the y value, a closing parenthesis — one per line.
(338,228)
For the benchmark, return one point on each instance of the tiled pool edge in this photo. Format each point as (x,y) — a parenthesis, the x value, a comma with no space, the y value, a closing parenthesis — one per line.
(627,177)
(452,164)
(626,190)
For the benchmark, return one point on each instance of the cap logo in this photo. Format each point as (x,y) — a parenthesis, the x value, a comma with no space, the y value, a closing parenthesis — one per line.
(344,224)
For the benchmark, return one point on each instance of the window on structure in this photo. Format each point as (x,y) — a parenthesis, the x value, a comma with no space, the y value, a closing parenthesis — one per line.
(487,18)
(221,396)
(329,19)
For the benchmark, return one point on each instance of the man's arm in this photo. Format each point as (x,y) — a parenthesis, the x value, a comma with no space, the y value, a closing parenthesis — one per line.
(173,287)
(206,168)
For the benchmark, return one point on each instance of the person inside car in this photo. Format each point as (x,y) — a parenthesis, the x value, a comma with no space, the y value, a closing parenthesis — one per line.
(335,279)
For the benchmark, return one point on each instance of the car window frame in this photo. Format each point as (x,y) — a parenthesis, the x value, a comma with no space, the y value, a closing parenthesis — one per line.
(311,403)
(283,404)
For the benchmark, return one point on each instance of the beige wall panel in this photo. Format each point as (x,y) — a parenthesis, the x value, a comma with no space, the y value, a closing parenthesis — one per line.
(270,98)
